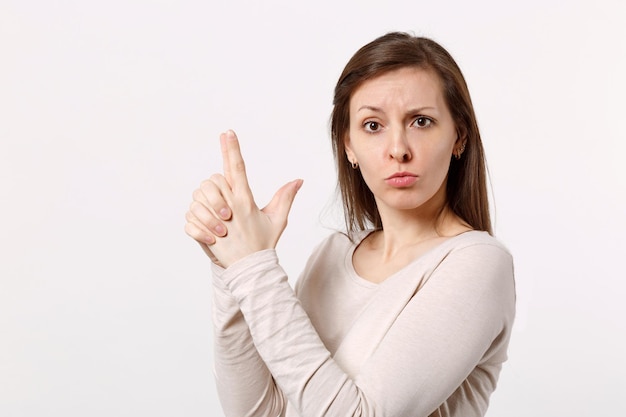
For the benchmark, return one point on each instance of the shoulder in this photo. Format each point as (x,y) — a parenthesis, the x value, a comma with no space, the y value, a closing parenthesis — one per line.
(472,262)
(477,246)
(475,268)
(477,237)
(478,262)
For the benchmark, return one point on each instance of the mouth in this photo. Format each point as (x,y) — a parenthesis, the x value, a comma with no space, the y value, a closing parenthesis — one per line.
(401,179)
(401,174)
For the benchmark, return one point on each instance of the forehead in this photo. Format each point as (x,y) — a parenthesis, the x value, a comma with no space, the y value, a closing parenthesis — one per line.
(410,86)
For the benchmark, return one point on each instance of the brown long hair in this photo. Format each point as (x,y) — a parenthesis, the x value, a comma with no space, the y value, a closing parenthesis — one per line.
(466,190)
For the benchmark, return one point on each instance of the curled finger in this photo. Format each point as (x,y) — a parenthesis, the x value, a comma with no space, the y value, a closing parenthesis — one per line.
(197,231)
(205,217)
(218,196)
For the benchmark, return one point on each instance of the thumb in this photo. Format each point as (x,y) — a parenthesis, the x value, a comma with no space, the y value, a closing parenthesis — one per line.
(278,209)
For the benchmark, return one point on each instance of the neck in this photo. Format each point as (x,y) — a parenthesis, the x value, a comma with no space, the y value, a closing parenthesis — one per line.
(405,229)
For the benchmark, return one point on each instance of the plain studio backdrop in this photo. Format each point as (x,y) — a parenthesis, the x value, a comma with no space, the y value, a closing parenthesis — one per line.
(110,113)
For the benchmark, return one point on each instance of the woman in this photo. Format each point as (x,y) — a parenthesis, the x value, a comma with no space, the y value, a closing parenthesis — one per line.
(407,314)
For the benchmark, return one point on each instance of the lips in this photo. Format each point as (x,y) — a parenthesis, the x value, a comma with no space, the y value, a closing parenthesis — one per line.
(401,179)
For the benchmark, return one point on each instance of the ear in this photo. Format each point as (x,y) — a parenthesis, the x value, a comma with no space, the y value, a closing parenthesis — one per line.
(349,153)
(461,137)
(460,143)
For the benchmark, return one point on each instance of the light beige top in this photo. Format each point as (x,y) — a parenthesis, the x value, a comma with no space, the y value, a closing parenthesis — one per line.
(430,340)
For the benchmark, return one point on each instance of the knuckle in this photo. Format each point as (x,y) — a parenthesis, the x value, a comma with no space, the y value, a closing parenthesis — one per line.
(212,223)
(195,207)
(239,165)
(197,194)
(215,179)
(216,200)
(191,230)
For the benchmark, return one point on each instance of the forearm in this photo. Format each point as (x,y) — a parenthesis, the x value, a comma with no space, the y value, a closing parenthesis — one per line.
(245,385)
(289,345)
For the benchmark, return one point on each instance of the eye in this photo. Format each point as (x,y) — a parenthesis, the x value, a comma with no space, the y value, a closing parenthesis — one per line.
(371,126)
(423,121)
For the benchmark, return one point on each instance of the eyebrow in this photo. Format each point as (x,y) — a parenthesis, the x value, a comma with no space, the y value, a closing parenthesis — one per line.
(372,108)
(411,111)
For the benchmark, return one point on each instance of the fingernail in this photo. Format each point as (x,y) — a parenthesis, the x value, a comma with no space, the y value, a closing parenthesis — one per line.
(219,229)
(224,213)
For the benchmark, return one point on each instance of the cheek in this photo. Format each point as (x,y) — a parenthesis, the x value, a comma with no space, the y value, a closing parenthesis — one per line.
(365,149)
(435,151)
(444,153)
(436,161)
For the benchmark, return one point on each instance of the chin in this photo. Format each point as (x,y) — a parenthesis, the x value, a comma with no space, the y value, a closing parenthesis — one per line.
(413,202)
(406,205)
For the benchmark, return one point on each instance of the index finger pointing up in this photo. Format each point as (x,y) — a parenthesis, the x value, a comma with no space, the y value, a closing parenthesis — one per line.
(234,166)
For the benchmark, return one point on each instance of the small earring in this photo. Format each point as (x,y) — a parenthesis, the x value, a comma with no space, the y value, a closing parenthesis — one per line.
(459,151)
(355,165)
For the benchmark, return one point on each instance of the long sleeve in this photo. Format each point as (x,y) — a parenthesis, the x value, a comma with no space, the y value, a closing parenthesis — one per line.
(245,385)
(445,337)
(286,340)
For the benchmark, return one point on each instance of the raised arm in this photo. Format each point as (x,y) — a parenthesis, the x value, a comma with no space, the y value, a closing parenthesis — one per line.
(244,383)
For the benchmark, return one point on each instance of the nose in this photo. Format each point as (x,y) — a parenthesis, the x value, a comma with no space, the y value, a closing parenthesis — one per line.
(399,147)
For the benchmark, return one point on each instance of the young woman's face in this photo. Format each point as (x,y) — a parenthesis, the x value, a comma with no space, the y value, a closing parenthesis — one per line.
(402,135)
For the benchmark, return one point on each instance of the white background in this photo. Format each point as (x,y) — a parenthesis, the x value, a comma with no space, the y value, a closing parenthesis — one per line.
(109,117)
